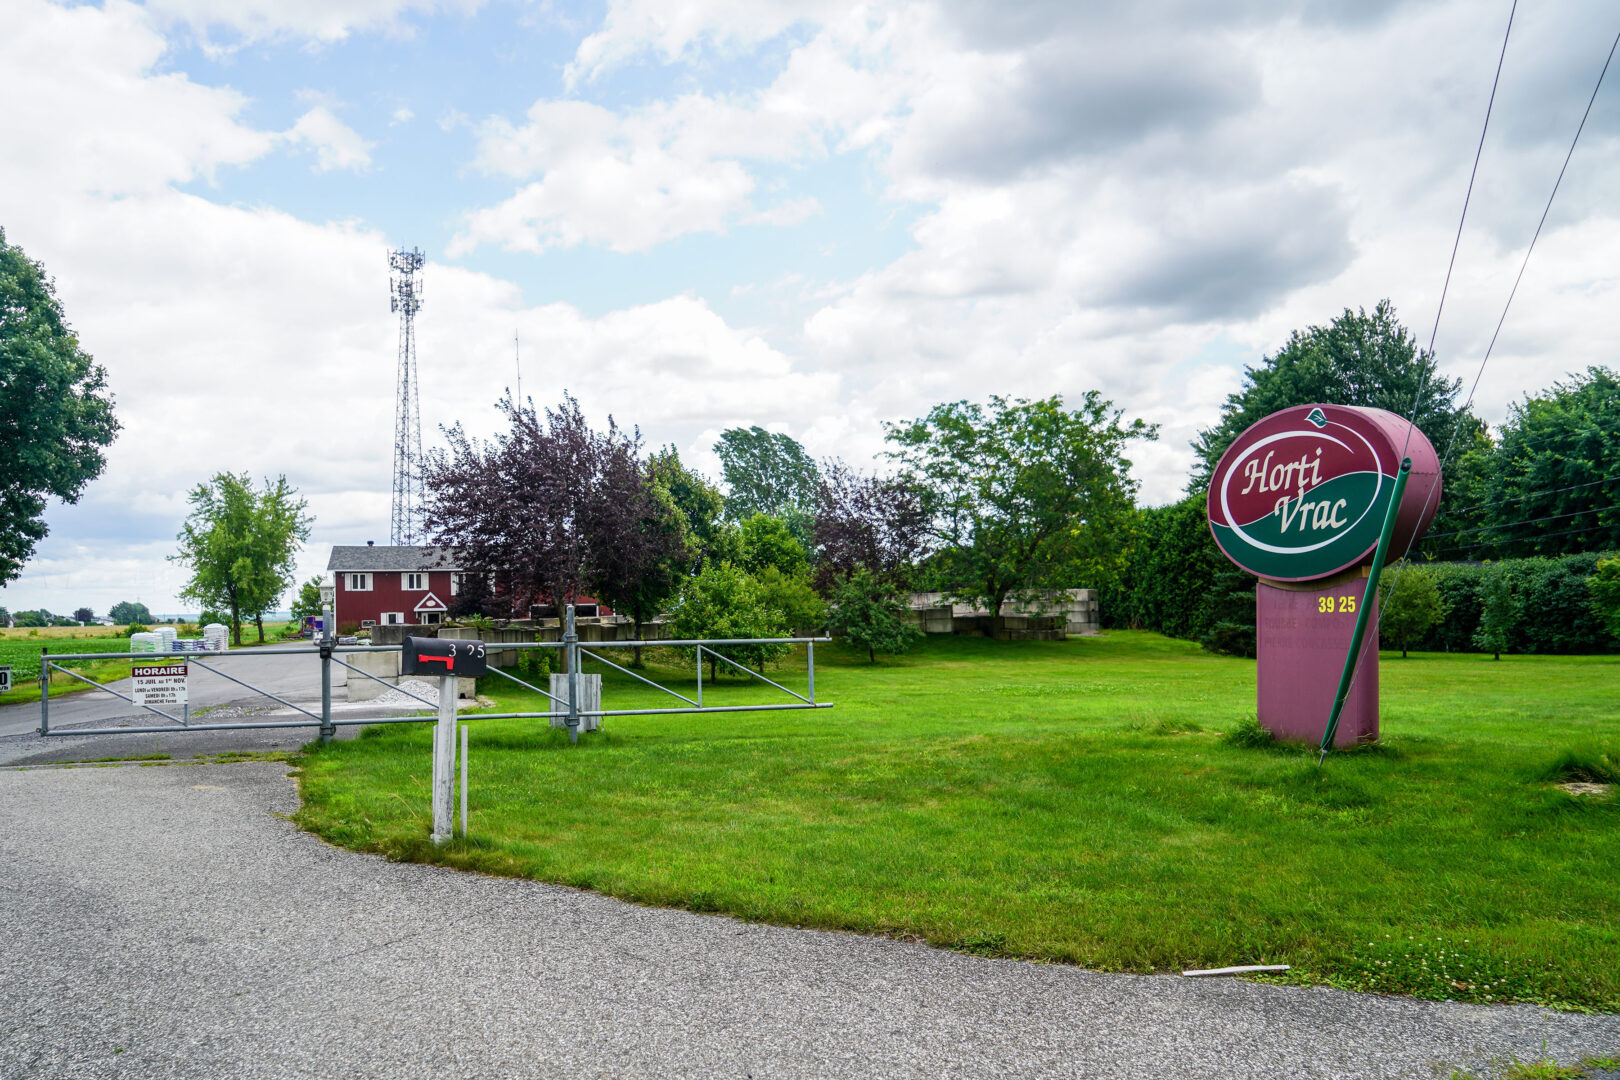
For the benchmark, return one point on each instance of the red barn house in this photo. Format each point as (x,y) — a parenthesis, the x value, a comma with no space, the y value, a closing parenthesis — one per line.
(387,586)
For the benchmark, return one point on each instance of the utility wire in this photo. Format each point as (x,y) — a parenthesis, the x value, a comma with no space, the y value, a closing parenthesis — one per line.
(1412,416)
(1527,495)
(1526,521)
(1522,539)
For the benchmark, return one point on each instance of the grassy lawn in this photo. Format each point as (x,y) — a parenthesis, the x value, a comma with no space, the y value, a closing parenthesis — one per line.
(1073,802)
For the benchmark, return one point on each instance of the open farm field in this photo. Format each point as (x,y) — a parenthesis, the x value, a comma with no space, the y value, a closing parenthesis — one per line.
(23,654)
(1076,802)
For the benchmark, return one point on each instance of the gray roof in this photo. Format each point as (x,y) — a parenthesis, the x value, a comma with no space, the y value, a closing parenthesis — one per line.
(367,557)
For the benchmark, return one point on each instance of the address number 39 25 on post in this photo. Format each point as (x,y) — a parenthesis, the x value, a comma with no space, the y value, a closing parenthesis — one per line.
(443,656)
(1331,605)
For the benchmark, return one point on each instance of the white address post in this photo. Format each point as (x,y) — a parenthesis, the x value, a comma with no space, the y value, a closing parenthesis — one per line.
(444,762)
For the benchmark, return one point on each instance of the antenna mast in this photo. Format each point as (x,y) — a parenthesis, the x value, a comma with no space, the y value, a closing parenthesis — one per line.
(518,359)
(405,297)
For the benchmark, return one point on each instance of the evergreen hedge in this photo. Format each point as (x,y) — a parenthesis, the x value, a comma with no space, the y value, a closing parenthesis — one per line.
(1173,579)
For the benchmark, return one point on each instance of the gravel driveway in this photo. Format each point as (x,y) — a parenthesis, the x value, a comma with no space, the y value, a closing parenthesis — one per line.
(166,922)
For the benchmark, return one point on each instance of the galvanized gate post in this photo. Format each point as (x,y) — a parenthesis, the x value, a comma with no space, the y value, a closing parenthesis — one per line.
(571,651)
(327,639)
(44,690)
(444,761)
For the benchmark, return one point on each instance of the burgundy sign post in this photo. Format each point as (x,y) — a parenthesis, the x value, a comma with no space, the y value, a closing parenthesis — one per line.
(1300,500)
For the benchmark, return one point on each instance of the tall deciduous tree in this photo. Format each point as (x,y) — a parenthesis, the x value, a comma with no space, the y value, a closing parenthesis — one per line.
(867,523)
(636,539)
(55,414)
(308,600)
(1553,486)
(1017,490)
(241,545)
(699,501)
(84,615)
(1359,358)
(767,473)
(128,611)
(518,505)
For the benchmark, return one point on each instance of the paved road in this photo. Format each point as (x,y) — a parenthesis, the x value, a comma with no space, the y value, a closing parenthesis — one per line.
(165,921)
(296,678)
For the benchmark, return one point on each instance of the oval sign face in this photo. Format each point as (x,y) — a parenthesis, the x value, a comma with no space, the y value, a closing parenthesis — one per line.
(1303,493)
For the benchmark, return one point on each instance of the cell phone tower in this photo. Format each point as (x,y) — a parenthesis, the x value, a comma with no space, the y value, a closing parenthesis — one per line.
(405,297)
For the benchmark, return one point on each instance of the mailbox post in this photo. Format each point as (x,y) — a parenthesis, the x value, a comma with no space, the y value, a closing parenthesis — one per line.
(449,660)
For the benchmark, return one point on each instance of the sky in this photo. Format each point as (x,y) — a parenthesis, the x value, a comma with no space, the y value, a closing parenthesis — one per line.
(807,215)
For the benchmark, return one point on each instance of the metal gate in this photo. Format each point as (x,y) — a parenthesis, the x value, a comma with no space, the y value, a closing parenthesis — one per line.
(575,655)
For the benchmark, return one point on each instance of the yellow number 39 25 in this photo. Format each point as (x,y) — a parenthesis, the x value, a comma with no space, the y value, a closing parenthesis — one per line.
(1327,605)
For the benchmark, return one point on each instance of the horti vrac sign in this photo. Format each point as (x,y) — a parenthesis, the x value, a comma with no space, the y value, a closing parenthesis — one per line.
(1300,500)
(1303,493)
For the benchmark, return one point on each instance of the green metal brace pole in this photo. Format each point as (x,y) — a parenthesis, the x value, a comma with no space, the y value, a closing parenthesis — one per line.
(1367,599)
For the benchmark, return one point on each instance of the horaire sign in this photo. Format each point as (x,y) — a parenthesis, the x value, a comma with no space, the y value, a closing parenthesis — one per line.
(1302,494)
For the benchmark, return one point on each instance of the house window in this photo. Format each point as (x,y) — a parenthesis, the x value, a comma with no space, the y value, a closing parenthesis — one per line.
(359,582)
(414,582)
(393,618)
(459,578)
(430,618)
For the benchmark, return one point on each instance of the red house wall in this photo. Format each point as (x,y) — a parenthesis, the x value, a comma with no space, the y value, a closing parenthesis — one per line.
(386,595)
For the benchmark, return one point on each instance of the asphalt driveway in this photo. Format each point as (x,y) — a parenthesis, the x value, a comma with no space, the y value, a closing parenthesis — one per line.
(168,922)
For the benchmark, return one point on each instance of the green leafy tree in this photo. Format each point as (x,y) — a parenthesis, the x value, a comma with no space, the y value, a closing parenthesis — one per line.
(241,545)
(869,614)
(1605,588)
(1409,605)
(724,601)
(768,473)
(1500,611)
(1359,358)
(55,414)
(639,552)
(41,617)
(5,617)
(1554,481)
(308,600)
(84,615)
(1020,491)
(128,611)
(802,610)
(768,542)
(699,501)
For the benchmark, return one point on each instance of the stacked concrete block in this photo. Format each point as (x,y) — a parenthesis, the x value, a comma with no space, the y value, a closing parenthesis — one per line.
(590,698)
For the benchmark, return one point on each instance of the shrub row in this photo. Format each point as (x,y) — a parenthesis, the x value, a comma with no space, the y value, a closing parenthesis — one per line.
(1551,597)
(1172,578)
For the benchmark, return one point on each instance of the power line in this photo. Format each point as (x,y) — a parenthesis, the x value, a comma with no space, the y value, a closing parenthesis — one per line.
(1526,521)
(1467,198)
(1545,211)
(1530,495)
(1522,539)
(1472,390)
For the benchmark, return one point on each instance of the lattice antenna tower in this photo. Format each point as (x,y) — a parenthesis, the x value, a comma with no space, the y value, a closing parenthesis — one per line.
(405,297)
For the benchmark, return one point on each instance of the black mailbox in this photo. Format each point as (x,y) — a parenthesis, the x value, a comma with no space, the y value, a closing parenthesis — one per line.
(442,656)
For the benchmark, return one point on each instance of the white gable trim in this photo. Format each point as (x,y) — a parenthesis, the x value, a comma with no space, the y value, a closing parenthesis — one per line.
(431,603)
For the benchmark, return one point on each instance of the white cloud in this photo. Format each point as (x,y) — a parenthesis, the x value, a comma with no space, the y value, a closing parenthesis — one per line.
(99,118)
(628,181)
(401,115)
(336,145)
